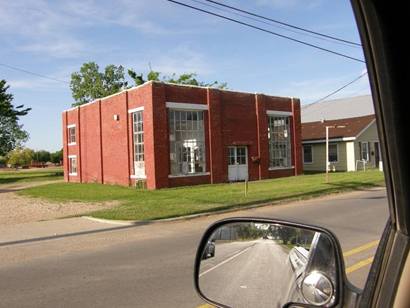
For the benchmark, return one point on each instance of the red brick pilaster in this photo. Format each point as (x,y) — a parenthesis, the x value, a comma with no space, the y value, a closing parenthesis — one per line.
(262,130)
(216,148)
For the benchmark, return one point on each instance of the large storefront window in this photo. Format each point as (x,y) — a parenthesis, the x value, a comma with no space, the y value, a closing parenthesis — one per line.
(279,142)
(187,142)
(138,138)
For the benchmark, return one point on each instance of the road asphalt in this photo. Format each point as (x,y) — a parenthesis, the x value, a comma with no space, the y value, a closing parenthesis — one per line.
(91,264)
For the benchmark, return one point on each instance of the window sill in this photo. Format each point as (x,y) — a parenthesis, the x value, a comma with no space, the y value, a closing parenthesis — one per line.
(72,174)
(138,177)
(188,175)
(281,168)
(69,144)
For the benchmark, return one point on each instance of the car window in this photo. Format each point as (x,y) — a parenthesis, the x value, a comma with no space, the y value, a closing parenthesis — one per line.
(127,128)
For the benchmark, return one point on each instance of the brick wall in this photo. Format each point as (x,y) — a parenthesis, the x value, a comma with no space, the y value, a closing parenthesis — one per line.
(105,150)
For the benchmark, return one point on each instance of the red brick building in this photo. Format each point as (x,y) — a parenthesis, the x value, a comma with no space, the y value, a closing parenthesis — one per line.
(173,135)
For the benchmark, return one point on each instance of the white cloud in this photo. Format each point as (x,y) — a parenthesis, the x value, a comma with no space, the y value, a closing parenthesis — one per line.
(56,29)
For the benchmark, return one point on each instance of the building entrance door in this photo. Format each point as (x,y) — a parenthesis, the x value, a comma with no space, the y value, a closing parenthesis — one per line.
(238,163)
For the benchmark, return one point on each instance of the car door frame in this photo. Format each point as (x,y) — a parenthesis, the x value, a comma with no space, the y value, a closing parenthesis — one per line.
(387,64)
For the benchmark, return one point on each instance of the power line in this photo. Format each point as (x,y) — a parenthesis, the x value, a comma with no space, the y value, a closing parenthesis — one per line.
(340,89)
(285,24)
(32,73)
(275,25)
(267,31)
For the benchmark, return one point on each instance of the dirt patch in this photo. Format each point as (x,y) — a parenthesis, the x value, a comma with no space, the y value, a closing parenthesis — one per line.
(15,209)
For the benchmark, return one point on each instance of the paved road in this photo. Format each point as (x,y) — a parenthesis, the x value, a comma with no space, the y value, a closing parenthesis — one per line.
(247,278)
(151,265)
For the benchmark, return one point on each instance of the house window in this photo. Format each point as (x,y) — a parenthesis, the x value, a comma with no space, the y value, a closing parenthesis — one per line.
(71,135)
(365,151)
(307,154)
(187,142)
(72,165)
(279,141)
(138,138)
(333,153)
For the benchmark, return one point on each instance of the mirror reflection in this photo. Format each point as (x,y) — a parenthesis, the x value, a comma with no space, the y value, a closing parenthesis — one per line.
(251,264)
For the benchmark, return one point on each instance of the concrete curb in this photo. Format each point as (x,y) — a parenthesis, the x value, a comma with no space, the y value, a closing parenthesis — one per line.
(233,209)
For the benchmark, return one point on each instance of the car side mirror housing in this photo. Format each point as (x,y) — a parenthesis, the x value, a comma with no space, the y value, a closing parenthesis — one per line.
(254,262)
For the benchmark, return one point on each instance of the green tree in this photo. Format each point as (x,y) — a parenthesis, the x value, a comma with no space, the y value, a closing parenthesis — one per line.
(42,156)
(20,157)
(56,157)
(12,134)
(89,83)
(186,79)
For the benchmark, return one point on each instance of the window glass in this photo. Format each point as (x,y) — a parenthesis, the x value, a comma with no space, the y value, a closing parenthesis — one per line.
(72,165)
(187,142)
(307,154)
(333,152)
(138,138)
(279,141)
(365,151)
(71,135)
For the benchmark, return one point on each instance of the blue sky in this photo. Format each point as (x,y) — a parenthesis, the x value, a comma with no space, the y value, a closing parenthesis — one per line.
(54,38)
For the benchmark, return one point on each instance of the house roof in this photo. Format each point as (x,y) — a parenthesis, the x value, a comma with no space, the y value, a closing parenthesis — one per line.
(338,109)
(353,127)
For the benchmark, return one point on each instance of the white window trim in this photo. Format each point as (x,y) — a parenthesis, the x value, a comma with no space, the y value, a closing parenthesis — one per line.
(337,153)
(368,150)
(136,109)
(281,168)
(186,106)
(188,175)
(68,128)
(278,113)
(303,154)
(72,156)
(138,177)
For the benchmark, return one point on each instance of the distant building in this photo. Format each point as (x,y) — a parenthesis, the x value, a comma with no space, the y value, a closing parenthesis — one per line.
(349,147)
(172,135)
(338,109)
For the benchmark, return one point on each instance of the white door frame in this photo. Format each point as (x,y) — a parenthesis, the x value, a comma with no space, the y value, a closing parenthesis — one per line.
(237,171)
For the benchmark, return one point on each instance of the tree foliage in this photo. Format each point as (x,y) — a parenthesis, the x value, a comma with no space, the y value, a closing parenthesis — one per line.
(89,83)
(20,157)
(42,156)
(56,157)
(185,79)
(12,134)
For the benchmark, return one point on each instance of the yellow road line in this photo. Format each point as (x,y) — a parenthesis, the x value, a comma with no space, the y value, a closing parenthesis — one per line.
(359,265)
(205,306)
(360,248)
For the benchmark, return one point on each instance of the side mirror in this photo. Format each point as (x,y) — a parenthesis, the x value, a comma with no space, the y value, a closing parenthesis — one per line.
(252,262)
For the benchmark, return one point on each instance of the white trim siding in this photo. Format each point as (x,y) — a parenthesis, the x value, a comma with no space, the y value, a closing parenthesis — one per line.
(186,106)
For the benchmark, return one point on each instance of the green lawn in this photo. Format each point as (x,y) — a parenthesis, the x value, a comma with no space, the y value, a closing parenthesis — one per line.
(30,175)
(148,205)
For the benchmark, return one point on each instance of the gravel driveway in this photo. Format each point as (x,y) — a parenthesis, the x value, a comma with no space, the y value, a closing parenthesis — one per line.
(15,209)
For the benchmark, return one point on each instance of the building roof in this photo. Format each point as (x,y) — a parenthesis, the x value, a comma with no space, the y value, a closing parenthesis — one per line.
(353,127)
(338,109)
